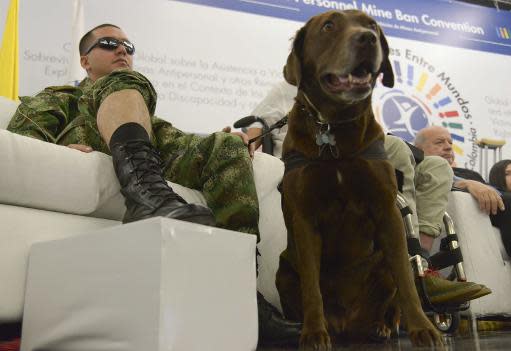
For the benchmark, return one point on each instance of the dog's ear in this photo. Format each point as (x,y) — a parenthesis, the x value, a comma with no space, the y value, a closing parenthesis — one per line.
(293,67)
(386,67)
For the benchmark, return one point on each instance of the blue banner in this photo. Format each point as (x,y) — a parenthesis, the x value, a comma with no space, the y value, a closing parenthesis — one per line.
(440,22)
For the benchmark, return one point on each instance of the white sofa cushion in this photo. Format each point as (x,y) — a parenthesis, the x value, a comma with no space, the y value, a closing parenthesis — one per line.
(46,176)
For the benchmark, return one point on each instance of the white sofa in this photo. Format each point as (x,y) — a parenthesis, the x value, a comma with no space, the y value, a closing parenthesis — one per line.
(49,192)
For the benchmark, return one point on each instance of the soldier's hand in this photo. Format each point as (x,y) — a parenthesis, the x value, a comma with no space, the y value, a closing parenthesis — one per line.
(244,137)
(80,147)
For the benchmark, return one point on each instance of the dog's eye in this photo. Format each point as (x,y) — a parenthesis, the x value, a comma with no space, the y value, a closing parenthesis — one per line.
(328,26)
(373,26)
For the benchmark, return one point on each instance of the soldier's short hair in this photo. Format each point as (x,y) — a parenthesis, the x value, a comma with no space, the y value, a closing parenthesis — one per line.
(86,40)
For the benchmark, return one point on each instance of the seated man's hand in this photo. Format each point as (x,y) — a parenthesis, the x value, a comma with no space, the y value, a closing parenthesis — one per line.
(80,147)
(489,199)
(244,137)
(253,133)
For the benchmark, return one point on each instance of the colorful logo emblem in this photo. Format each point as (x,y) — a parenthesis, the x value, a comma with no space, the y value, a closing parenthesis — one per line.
(503,32)
(419,99)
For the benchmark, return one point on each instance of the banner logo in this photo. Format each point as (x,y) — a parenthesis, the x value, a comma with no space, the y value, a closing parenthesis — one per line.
(421,98)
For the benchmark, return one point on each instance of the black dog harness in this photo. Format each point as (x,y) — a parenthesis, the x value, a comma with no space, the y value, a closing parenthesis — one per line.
(295,159)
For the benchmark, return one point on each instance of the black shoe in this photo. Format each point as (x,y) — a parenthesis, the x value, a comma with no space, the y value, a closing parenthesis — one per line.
(274,330)
(140,172)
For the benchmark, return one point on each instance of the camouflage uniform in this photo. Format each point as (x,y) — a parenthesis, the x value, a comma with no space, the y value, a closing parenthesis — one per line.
(219,165)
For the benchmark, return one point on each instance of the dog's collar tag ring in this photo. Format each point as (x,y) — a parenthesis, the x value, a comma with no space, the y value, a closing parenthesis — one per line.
(325,139)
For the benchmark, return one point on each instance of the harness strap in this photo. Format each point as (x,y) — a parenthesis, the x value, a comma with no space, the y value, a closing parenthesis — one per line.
(295,159)
(444,259)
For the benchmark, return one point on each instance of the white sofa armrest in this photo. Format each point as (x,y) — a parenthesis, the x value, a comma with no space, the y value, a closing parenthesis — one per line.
(46,176)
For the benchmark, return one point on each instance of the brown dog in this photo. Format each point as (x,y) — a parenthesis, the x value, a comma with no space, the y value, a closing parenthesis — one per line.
(345,269)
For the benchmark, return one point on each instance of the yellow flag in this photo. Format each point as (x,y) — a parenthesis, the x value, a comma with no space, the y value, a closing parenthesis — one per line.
(9,54)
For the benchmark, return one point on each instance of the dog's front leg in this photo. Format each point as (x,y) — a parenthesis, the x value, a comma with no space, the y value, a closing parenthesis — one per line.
(308,249)
(391,238)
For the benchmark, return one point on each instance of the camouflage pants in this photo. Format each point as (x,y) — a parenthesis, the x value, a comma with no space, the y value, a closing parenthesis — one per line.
(218,166)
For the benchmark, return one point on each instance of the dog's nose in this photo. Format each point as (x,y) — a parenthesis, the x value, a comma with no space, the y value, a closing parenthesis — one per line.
(365,39)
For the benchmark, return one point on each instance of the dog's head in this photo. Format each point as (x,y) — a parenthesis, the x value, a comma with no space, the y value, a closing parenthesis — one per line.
(341,53)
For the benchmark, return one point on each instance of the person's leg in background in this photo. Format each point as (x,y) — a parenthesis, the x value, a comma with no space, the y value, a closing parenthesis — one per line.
(433,182)
(401,158)
(439,290)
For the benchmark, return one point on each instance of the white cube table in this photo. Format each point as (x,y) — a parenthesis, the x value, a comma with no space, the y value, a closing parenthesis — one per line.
(157,284)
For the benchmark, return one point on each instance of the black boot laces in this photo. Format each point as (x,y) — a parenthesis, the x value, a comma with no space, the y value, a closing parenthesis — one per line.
(147,167)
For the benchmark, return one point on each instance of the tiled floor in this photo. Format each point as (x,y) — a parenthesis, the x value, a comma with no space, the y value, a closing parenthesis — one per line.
(482,341)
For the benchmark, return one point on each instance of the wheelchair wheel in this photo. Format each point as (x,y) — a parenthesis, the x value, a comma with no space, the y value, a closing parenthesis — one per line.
(447,323)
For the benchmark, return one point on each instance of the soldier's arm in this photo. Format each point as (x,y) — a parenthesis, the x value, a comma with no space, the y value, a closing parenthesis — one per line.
(45,115)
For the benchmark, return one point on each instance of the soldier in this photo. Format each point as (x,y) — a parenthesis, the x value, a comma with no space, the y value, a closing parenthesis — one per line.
(112,111)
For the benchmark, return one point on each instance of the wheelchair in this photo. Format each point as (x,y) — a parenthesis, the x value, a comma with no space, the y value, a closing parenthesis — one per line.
(445,317)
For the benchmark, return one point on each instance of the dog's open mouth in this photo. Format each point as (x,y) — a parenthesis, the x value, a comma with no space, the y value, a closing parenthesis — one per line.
(358,79)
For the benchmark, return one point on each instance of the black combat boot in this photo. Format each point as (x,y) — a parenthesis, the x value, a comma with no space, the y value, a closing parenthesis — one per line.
(139,169)
(274,330)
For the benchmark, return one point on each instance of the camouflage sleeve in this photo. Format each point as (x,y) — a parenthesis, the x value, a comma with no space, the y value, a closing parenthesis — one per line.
(121,80)
(45,115)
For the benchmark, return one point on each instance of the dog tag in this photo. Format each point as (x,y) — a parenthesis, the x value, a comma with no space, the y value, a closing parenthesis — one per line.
(325,138)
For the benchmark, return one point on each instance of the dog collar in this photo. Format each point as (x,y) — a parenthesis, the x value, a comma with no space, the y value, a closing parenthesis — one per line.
(319,119)
(324,138)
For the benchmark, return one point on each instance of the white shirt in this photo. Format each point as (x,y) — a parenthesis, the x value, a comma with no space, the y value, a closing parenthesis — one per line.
(274,107)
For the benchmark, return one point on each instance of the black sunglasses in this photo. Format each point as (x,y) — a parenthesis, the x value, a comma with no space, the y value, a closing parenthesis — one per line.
(111,44)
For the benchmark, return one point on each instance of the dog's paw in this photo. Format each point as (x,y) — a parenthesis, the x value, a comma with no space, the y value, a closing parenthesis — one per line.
(382,333)
(427,336)
(315,341)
